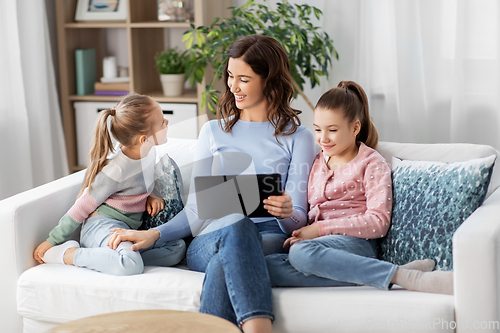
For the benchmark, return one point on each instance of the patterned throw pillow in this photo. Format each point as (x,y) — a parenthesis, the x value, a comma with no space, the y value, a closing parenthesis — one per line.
(168,182)
(431,200)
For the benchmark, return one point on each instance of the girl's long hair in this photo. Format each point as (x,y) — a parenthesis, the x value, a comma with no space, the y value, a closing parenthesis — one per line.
(351,99)
(268,59)
(129,119)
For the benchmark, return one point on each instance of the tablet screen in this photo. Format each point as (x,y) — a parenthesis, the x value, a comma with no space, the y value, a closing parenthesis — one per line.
(219,196)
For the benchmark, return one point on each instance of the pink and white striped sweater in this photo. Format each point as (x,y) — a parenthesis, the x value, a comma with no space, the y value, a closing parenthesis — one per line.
(354,200)
(119,191)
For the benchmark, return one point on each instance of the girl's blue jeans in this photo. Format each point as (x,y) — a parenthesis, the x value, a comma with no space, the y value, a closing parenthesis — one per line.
(333,260)
(95,253)
(230,252)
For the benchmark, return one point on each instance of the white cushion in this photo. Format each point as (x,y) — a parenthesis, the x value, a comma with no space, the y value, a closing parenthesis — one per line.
(58,293)
(361,309)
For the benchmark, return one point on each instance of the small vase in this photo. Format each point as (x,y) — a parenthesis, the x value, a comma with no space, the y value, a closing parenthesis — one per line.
(172,84)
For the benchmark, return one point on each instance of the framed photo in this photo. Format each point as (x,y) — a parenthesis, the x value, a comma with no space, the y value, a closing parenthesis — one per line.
(175,10)
(101,10)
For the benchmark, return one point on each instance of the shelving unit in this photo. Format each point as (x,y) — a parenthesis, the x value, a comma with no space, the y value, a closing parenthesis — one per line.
(145,37)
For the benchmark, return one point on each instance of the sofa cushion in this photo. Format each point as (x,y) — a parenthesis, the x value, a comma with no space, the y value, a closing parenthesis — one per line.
(59,293)
(168,188)
(182,152)
(361,309)
(431,200)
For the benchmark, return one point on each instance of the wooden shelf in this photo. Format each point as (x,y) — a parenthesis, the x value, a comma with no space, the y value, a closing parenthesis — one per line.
(76,168)
(190,96)
(123,24)
(145,36)
(156,24)
(96,24)
(93,98)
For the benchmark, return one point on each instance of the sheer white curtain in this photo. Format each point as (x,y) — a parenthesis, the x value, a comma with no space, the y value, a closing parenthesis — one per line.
(431,68)
(32,148)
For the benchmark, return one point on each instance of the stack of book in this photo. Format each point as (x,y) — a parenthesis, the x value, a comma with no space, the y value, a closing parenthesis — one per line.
(111,88)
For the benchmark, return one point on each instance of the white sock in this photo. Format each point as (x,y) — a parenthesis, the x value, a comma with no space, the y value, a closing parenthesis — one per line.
(440,282)
(55,255)
(426,265)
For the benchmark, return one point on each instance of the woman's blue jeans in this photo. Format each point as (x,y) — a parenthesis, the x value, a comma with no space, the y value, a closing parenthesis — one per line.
(333,260)
(95,253)
(236,285)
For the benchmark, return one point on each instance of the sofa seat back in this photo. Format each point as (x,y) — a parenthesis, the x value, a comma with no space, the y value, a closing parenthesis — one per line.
(182,151)
(451,152)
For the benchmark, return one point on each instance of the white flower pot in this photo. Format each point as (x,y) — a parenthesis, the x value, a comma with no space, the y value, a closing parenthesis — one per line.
(172,84)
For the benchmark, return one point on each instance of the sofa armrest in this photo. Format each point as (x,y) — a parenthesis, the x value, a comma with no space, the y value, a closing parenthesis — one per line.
(26,220)
(476,265)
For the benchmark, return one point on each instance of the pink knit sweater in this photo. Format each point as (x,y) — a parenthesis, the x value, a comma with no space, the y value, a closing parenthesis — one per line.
(354,200)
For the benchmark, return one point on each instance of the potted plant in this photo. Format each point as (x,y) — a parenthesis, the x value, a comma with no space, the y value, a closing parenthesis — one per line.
(171,66)
(309,49)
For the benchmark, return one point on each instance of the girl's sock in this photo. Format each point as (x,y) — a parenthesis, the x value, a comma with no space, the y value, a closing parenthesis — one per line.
(55,254)
(440,282)
(425,265)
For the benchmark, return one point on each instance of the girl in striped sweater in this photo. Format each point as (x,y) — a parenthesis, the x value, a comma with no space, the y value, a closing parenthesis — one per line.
(115,193)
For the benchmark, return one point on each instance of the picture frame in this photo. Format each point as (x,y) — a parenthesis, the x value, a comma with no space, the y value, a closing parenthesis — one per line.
(101,10)
(175,10)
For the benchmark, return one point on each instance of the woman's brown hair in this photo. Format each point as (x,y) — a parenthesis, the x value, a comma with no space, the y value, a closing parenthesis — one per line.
(349,97)
(129,119)
(268,59)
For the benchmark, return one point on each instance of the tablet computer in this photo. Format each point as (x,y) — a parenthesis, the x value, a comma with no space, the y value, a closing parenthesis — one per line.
(219,196)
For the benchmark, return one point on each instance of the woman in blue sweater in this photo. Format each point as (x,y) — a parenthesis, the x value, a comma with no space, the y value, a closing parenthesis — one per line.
(257,132)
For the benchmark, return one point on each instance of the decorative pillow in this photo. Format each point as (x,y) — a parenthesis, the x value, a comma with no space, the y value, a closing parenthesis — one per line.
(431,200)
(168,187)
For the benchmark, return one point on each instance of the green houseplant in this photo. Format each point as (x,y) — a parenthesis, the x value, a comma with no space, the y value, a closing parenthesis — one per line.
(309,49)
(171,66)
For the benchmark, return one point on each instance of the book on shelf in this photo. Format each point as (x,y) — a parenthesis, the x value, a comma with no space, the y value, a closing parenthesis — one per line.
(115,79)
(85,71)
(111,92)
(112,86)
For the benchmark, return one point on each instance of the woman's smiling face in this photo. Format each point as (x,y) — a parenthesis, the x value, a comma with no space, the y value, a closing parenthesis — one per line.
(246,86)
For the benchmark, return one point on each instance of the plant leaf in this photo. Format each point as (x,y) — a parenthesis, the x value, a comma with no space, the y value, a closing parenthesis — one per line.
(200,38)
(188,38)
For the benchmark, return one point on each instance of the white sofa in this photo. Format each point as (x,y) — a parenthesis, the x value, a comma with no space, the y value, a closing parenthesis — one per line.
(37,297)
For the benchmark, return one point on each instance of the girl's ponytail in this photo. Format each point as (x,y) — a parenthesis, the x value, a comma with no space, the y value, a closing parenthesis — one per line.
(100,148)
(368,133)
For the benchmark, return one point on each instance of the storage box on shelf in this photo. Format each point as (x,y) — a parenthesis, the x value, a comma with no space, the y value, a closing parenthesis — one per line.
(182,123)
(145,36)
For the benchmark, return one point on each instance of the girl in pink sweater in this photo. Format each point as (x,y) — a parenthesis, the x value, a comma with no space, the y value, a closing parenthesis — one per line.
(350,199)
